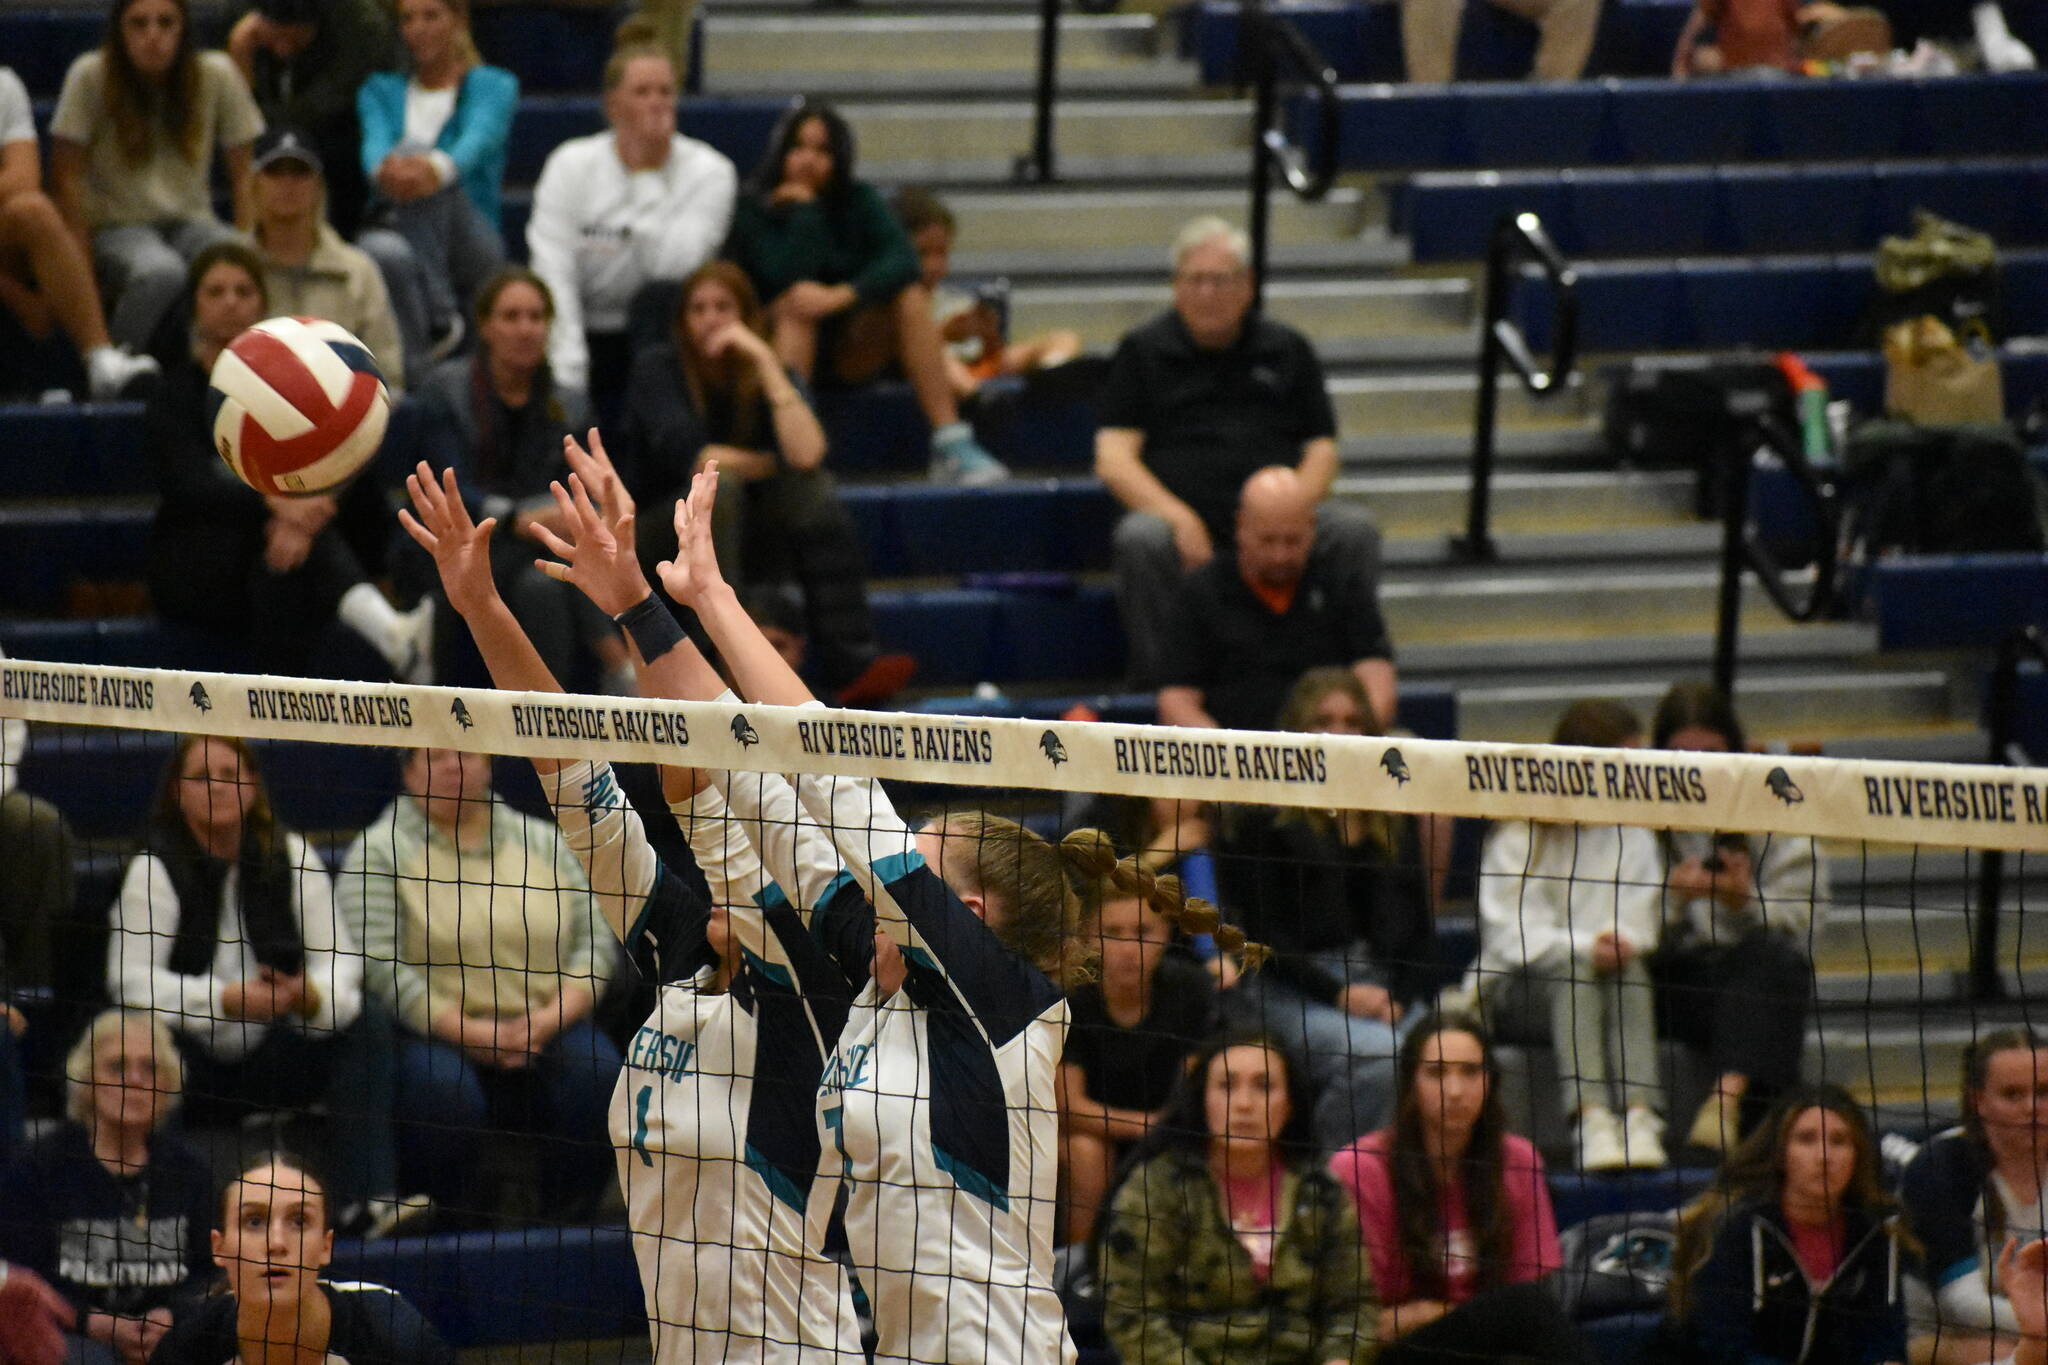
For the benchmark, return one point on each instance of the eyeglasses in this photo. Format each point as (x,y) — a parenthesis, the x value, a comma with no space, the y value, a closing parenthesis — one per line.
(1211,279)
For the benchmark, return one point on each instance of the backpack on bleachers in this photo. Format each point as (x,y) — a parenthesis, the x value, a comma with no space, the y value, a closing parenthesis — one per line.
(1616,1263)
(1911,489)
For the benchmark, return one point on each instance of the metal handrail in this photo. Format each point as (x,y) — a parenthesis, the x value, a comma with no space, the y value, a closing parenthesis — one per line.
(1039,165)
(1271,49)
(1519,240)
(2026,642)
(1743,549)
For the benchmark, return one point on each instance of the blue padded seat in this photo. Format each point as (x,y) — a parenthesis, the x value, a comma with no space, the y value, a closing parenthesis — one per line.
(1395,127)
(1636,37)
(1625,1339)
(1682,122)
(1533,124)
(1994,199)
(80,449)
(45,548)
(2032,731)
(1833,120)
(1451,215)
(1643,213)
(1579,1195)
(122,641)
(1777,303)
(952,631)
(550,47)
(875,429)
(1052,634)
(1621,308)
(40,44)
(2023,293)
(1979,116)
(498,1288)
(1050,525)
(1797,208)
(1956,601)
(1428,709)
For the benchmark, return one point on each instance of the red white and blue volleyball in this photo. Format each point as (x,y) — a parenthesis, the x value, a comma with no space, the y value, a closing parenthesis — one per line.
(299,406)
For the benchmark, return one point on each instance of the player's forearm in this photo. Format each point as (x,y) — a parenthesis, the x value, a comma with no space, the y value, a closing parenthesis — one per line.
(761,674)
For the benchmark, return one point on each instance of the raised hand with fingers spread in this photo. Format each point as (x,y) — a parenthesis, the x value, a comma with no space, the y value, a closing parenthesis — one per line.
(595,549)
(461,548)
(694,571)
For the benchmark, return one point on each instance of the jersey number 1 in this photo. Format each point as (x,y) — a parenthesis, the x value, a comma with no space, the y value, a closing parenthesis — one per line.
(646,1097)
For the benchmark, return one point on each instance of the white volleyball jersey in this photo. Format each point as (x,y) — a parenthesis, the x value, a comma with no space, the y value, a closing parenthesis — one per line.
(713,1115)
(938,1104)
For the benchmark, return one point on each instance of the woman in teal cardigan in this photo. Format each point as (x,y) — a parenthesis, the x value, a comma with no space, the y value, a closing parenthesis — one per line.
(841,280)
(434,152)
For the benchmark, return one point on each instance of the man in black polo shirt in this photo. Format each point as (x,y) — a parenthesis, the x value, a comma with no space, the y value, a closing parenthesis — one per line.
(1246,626)
(1197,400)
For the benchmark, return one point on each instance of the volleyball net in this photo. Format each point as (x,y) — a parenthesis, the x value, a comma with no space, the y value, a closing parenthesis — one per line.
(1639,930)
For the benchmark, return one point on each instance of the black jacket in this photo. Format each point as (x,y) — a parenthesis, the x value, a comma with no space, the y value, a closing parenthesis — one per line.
(372,1325)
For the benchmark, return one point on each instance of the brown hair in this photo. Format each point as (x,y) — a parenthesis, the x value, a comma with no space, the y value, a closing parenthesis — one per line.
(918,208)
(728,376)
(1105,877)
(238,254)
(258,820)
(1413,1171)
(1755,1171)
(507,276)
(1698,705)
(1976,1075)
(636,39)
(138,106)
(1297,714)
(1597,723)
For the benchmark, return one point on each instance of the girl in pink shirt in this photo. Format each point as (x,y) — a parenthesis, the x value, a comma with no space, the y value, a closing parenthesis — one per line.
(1455,1212)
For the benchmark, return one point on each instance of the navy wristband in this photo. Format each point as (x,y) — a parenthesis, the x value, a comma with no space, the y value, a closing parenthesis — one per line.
(652,626)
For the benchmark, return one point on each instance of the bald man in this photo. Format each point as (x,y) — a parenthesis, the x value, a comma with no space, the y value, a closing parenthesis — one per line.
(1246,626)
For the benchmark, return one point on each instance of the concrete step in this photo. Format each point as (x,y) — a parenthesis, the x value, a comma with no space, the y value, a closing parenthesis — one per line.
(1574,446)
(1118,141)
(1421,505)
(1795,706)
(1103,313)
(1668,654)
(1411,404)
(1141,224)
(1436,608)
(1685,542)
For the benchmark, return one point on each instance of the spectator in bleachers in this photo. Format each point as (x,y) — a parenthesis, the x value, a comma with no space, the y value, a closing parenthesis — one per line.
(1455,1213)
(433,148)
(841,280)
(1341,898)
(1568,918)
(971,325)
(311,271)
(1196,402)
(131,156)
(38,896)
(275,1237)
(1228,1241)
(1129,1037)
(46,274)
(110,1206)
(1968,28)
(303,60)
(271,573)
(1565,29)
(619,210)
(225,930)
(481,935)
(1245,626)
(1796,1250)
(1735,970)
(1968,1190)
(1747,36)
(720,392)
(498,417)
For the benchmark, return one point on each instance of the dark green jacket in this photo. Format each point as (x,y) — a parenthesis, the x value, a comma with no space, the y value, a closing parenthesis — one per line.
(1178,1287)
(856,241)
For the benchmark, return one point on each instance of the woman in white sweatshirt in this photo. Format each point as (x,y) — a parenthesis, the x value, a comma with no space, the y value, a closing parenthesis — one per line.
(1568,915)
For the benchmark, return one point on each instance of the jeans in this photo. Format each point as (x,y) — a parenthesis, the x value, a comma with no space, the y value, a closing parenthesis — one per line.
(142,268)
(410,292)
(445,1101)
(456,245)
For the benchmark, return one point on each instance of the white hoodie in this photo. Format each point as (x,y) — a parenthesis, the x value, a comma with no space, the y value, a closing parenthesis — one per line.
(1547,890)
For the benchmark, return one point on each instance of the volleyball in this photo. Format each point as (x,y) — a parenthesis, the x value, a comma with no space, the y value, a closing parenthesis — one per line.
(299,406)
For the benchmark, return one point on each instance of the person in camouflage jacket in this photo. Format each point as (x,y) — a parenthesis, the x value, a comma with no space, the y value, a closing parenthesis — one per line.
(1228,1244)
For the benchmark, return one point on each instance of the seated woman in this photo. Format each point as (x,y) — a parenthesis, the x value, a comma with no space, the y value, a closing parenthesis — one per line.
(272,573)
(1455,1212)
(274,1239)
(723,394)
(1228,1242)
(225,929)
(116,1171)
(1342,897)
(131,156)
(1568,915)
(1129,1036)
(842,280)
(497,417)
(1734,972)
(1794,1253)
(311,272)
(434,151)
(1971,1188)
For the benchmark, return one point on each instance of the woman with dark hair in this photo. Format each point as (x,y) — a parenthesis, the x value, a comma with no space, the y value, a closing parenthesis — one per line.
(1568,916)
(720,393)
(497,417)
(269,572)
(131,156)
(1455,1213)
(1972,1187)
(1227,1241)
(274,1239)
(1734,971)
(1342,898)
(1794,1254)
(110,1206)
(842,281)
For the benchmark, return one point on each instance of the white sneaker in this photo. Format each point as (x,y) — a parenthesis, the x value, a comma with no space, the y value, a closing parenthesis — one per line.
(417,664)
(1602,1141)
(109,370)
(1643,1137)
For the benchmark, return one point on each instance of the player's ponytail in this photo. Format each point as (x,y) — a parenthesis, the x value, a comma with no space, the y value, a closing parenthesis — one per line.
(1093,856)
(1016,869)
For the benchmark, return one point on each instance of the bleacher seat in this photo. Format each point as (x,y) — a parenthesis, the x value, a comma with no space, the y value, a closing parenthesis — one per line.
(1997,199)
(1683,122)
(1833,120)
(1797,208)
(549,47)
(1624,1339)
(78,448)
(1641,213)
(1955,601)
(1536,123)
(46,549)
(40,44)
(925,530)
(504,1288)
(1796,303)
